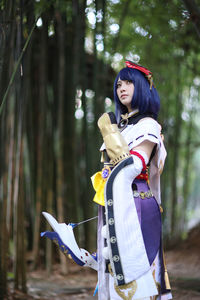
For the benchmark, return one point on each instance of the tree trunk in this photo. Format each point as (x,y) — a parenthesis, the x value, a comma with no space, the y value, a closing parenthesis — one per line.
(60,179)
(19,243)
(41,150)
(175,159)
(6,59)
(187,173)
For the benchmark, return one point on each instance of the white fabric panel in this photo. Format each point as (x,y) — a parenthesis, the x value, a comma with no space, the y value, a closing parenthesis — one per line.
(132,252)
(145,288)
(143,292)
(156,167)
(103,277)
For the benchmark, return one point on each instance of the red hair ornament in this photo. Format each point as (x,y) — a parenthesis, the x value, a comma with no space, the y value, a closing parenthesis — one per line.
(142,69)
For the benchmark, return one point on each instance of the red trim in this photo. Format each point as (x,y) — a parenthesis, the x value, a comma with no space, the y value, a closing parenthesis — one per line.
(143,176)
(142,69)
(141,157)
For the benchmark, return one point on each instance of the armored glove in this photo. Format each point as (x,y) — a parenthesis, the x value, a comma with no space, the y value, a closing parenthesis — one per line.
(116,147)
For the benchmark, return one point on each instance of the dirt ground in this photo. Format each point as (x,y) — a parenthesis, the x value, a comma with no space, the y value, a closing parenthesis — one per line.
(183,265)
(184,272)
(80,283)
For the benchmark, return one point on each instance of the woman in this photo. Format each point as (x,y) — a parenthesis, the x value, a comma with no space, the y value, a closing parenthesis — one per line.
(130,256)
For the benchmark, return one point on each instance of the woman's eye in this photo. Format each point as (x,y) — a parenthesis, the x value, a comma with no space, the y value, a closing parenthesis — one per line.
(129,81)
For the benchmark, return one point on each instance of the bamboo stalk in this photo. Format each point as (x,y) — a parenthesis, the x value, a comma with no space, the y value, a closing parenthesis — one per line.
(16,67)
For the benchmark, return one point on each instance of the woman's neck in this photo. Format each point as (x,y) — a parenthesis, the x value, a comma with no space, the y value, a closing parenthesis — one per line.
(133,112)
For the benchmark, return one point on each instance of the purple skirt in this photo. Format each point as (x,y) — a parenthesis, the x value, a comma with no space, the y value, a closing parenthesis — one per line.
(149,216)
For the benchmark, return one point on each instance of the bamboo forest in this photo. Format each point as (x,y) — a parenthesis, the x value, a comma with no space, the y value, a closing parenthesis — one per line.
(58,62)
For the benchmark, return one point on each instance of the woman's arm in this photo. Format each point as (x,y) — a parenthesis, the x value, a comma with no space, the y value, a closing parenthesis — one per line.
(145,146)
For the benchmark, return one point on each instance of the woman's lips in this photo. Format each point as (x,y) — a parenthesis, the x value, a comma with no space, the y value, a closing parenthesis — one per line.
(124,96)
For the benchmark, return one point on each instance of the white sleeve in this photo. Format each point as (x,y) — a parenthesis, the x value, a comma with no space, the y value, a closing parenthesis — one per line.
(146,129)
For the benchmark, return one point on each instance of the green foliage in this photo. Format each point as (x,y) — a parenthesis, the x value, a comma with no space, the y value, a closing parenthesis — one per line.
(2,4)
(10,275)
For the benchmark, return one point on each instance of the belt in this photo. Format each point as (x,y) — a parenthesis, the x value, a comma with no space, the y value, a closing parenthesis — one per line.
(143,195)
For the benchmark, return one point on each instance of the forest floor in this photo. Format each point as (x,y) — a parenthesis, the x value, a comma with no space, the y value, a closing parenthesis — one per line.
(183,264)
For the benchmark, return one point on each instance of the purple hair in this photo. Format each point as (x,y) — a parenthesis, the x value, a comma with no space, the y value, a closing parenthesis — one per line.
(146,100)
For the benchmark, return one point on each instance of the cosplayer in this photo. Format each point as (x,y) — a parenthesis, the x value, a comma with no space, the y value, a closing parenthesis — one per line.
(130,260)
(130,256)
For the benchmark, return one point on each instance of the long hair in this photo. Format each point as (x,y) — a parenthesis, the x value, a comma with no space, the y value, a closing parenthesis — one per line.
(146,100)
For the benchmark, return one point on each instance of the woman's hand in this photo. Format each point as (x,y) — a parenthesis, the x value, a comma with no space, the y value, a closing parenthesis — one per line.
(116,146)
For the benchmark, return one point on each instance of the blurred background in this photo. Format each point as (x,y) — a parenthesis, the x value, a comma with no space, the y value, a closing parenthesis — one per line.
(58,61)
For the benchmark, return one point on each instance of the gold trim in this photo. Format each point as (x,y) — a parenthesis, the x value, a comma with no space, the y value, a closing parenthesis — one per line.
(110,270)
(65,251)
(157,285)
(120,289)
(124,121)
(128,115)
(143,195)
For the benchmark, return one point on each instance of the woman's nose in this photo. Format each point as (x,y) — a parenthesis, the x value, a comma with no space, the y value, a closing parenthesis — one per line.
(122,88)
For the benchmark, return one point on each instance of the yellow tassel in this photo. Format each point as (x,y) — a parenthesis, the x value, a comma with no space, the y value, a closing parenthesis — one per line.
(166,277)
(167,283)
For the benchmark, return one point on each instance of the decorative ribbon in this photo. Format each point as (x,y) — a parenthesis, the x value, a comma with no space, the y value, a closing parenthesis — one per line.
(99,180)
(142,69)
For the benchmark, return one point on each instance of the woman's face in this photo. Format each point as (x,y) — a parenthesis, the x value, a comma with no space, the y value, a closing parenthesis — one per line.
(125,91)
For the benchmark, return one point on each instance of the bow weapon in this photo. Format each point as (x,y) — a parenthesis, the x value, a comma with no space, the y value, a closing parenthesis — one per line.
(63,236)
